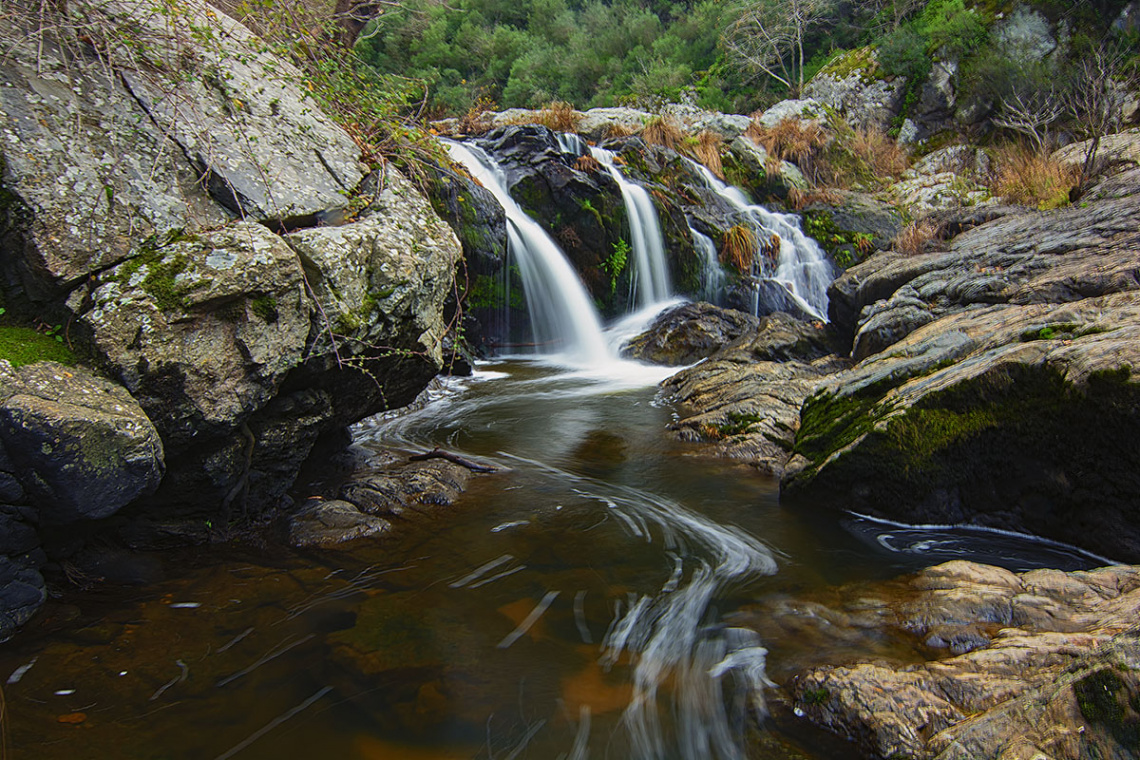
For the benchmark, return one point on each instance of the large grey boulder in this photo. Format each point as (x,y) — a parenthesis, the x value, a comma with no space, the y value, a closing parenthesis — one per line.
(79,445)
(123,169)
(200,328)
(103,143)
(855,87)
(381,285)
(241,116)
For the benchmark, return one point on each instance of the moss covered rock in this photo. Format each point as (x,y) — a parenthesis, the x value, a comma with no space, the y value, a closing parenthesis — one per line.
(1015,417)
(79,445)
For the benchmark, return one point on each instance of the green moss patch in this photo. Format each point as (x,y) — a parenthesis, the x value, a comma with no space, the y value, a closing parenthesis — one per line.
(861,60)
(23,345)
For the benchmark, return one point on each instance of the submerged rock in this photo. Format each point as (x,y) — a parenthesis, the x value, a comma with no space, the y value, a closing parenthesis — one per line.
(327,523)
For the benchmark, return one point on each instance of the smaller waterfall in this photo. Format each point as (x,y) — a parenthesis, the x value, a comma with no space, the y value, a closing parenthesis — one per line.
(651,273)
(561,312)
(712,273)
(801,266)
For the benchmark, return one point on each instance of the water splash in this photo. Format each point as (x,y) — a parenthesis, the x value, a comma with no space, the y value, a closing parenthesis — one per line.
(562,315)
(801,267)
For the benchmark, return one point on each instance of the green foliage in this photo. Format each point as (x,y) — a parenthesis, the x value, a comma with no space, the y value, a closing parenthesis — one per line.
(265,307)
(592,53)
(846,247)
(616,262)
(953,30)
(737,424)
(903,53)
(817,696)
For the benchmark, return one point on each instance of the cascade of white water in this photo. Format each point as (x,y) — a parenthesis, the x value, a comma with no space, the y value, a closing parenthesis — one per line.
(801,265)
(561,312)
(651,272)
(712,273)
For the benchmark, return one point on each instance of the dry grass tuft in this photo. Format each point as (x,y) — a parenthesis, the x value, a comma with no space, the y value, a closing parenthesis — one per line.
(664,132)
(915,237)
(738,248)
(794,140)
(559,116)
(705,148)
(587,164)
(477,119)
(803,143)
(883,156)
(620,130)
(1033,178)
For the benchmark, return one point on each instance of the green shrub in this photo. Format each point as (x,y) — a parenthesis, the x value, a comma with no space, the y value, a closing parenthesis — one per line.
(903,53)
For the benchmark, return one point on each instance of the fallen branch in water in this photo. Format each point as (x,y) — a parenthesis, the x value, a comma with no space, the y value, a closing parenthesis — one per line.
(438,453)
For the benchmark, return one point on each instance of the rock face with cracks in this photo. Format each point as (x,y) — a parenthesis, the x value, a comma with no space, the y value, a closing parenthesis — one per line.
(172,193)
(1036,664)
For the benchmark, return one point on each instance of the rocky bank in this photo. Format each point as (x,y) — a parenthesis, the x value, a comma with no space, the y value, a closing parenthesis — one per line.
(236,280)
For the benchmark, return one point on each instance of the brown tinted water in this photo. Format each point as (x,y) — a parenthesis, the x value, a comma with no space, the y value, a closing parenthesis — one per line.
(588,601)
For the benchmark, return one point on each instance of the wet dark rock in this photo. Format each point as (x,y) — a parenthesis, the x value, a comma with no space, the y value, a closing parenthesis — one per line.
(22,592)
(407,490)
(327,523)
(745,398)
(687,333)
(581,208)
(999,665)
(80,446)
(1013,416)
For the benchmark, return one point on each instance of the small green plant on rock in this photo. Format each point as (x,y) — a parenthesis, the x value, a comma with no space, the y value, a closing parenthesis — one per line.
(616,263)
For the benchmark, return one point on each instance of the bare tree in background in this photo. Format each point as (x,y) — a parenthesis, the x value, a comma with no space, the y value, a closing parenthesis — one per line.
(1031,112)
(769,37)
(1096,100)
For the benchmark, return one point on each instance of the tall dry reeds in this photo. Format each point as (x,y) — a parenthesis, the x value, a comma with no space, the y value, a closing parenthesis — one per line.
(663,131)
(1033,178)
(559,116)
(704,147)
(738,248)
(915,237)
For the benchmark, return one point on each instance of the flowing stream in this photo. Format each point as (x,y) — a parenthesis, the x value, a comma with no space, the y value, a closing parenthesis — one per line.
(595,598)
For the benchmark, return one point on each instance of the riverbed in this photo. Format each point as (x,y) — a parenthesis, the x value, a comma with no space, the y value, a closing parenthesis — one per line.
(592,598)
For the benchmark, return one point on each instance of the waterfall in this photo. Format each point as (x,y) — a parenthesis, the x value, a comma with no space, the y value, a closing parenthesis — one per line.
(801,266)
(651,273)
(561,313)
(712,273)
